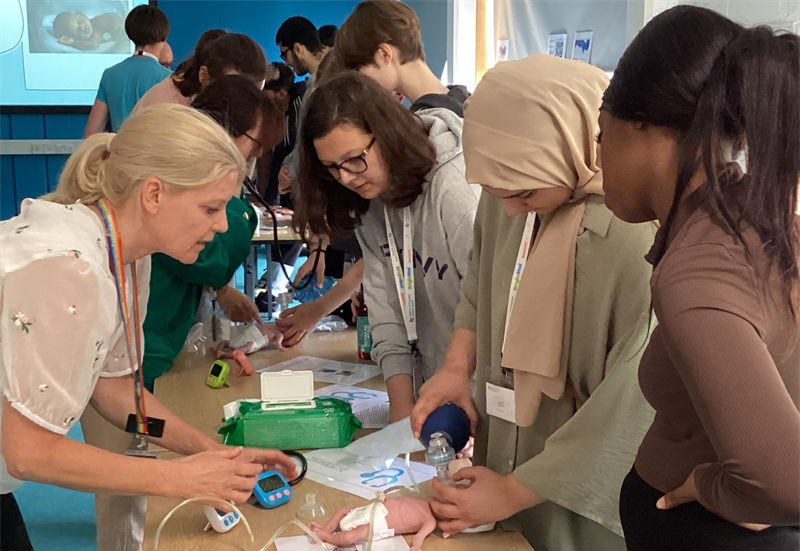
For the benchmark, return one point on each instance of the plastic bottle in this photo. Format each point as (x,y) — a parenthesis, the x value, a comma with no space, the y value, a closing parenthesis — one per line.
(284,300)
(364,334)
(440,453)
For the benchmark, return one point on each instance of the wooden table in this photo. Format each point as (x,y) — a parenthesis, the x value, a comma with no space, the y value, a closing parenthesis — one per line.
(266,238)
(183,389)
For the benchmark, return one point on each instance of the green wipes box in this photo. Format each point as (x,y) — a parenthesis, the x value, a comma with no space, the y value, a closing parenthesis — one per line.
(288,417)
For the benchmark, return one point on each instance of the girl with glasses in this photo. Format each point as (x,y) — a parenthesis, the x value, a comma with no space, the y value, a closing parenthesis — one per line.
(397,178)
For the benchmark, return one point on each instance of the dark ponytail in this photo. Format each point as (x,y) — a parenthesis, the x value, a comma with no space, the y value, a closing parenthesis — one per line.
(231,51)
(726,89)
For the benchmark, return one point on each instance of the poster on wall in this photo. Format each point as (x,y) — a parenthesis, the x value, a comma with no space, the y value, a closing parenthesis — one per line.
(502,51)
(582,49)
(557,45)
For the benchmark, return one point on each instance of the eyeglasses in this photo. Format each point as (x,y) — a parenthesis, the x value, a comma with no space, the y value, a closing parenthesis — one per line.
(354,165)
(256,141)
(285,55)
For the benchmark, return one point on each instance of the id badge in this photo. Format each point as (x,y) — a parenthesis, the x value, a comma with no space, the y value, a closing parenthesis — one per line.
(500,403)
(139,447)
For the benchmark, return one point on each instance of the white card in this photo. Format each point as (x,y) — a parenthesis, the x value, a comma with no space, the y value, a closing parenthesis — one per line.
(582,48)
(328,371)
(557,44)
(500,403)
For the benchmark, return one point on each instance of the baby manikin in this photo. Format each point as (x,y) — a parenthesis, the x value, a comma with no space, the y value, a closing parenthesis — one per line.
(392,517)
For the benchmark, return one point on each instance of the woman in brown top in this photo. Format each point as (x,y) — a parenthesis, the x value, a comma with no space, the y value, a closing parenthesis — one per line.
(720,466)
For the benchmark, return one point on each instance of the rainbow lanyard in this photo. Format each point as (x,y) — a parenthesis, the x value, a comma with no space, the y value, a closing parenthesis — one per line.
(131,332)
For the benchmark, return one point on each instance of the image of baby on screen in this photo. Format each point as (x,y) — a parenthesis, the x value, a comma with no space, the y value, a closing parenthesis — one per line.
(76,26)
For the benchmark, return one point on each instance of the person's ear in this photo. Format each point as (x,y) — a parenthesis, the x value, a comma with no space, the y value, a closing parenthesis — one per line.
(203,76)
(153,193)
(299,50)
(384,55)
(282,94)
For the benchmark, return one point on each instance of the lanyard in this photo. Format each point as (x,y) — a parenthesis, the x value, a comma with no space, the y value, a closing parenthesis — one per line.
(131,332)
(145,54)
(404,274)
(519,268)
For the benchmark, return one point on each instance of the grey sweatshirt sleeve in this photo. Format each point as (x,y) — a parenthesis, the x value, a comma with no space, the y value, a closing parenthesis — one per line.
(458,205)
(390,346)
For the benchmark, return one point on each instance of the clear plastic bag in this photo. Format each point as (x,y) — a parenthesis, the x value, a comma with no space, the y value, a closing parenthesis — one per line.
(331,324)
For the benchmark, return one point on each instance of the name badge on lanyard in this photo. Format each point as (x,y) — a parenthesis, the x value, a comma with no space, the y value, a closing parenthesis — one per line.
(142,53)
(500,401)
(404,274)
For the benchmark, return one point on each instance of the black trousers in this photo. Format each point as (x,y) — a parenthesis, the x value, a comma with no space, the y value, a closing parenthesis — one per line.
(13,534)
(690,527)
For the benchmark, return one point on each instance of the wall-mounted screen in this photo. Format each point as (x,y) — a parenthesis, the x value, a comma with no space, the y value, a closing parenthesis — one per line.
(53,52)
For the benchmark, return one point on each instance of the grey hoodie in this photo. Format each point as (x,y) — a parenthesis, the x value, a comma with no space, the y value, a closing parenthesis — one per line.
(442,216)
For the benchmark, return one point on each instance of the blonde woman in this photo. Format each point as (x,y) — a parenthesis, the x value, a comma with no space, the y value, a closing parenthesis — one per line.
(74,283)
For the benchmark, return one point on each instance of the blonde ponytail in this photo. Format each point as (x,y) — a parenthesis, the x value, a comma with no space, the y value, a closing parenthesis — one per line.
(178,145)
(83,175)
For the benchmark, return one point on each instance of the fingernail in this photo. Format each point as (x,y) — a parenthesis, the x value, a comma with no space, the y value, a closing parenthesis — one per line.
(661,504)
(445,535)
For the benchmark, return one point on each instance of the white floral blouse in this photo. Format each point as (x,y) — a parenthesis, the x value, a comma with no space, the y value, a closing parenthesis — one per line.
(60,328)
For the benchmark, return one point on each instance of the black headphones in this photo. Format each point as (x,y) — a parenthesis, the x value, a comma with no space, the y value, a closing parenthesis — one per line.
(303,466)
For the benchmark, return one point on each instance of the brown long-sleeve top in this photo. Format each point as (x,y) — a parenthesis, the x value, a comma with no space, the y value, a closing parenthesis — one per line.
(722,371)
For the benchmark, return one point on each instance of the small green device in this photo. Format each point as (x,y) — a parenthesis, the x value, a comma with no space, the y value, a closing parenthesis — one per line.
(218,375)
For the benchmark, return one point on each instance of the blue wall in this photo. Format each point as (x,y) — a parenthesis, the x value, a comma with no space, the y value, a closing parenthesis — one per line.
(24,176)
(32,175)
(433,19)
(259,20)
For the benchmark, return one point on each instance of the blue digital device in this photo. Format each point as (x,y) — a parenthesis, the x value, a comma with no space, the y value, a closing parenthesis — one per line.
(272,490)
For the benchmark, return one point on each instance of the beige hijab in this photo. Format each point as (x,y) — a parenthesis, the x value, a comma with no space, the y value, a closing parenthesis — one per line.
(532,124)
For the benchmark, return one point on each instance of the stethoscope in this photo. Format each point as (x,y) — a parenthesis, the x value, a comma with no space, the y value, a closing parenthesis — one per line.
(252,190)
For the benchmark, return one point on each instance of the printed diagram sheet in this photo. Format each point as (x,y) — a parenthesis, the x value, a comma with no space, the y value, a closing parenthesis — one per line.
(371,407)
(328,371)
(334,468)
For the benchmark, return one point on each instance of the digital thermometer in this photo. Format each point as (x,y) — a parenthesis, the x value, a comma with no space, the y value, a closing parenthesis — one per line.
(272,490)
(220,520)
(218,375)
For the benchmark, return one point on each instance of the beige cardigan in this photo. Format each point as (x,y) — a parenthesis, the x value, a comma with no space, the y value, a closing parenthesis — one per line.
(587,454)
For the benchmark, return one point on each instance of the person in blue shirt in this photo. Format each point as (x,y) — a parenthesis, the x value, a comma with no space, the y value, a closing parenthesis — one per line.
(123,84)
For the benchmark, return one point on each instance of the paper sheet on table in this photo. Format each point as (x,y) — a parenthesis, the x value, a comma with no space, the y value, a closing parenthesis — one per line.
(329,467)
(371,407)
(329,371)
(380,449)
(305,543)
